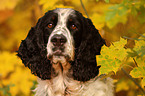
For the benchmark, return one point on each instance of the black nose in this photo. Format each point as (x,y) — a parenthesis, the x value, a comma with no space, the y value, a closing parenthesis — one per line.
(58,40)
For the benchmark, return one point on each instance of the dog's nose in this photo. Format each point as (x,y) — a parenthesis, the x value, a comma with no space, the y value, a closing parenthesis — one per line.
(58,40)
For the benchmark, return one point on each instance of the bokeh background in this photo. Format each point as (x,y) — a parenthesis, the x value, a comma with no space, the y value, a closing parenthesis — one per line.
(120,22)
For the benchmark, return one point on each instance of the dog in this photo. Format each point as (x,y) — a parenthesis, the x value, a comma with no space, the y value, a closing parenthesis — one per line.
(61,51)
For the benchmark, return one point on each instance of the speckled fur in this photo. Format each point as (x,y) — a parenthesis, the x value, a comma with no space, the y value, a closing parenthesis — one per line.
(75,75)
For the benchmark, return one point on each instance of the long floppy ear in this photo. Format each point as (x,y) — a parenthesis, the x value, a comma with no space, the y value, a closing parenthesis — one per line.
(33,52)
(84,66)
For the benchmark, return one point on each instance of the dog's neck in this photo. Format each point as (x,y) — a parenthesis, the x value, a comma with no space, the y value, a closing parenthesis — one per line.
(62,83)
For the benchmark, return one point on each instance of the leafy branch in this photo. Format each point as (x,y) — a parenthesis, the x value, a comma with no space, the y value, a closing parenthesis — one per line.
(116,61)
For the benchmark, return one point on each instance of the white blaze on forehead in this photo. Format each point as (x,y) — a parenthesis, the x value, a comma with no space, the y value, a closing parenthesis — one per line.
(63,14)
(61,28)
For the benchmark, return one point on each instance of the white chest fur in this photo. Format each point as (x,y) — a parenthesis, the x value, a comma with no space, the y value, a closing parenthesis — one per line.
(64,86)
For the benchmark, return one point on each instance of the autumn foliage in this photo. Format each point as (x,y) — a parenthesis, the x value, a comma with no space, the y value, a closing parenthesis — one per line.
(120,22)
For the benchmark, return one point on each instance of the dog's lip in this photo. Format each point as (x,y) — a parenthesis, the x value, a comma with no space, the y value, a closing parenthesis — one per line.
(58,53)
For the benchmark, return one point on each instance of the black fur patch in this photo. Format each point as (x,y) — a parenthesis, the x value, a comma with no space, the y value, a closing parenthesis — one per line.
(33,51)
(84,65)
(88,43)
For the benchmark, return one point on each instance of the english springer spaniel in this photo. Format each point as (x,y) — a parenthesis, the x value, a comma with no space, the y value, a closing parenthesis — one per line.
(61,51)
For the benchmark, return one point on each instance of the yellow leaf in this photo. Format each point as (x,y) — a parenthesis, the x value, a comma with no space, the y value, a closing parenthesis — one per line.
(122,86)
(48,4)
(22,79)
(143,83)
(7,62)
(61,6)
(117,19)
(98,20)
(8,4)
(19,76)
(113,57)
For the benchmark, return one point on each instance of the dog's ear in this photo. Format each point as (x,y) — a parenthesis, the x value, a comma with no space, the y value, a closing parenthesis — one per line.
(33,53)
(85,66)
(93,37)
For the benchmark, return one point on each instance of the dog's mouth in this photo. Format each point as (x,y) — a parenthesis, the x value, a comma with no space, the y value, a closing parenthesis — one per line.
(58,51)
(59,57)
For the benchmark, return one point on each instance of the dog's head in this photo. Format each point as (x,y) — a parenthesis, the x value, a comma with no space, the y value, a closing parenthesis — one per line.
(62,36)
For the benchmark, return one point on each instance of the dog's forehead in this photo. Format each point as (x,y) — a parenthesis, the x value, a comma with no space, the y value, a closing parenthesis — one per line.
(64,12)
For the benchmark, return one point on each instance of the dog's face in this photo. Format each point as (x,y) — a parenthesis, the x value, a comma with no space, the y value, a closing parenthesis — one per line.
(62,26)
(62,36)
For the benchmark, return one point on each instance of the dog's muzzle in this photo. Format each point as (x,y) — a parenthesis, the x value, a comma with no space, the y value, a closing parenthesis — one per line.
(58,42)
(60,45)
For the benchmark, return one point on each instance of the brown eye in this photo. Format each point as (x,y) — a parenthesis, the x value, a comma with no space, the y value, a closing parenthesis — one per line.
(73,27)
(50,25)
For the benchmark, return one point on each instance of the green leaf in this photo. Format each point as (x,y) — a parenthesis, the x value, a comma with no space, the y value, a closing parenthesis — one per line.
(112,11)
(122,11)
(136,72)
(139,49)
(141,16)
(139,72)
(113,7)
(6,89)
(132,54)
(107,1)
(113,61)
(117,19)
(34,85)
(133,11)
(110,15)
(116,14)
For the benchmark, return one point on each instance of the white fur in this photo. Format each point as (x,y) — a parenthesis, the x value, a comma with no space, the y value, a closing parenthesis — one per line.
(61,28)
(59,85)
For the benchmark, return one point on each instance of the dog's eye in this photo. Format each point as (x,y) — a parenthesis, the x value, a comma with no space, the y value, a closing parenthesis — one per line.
(73,26)
(50,25)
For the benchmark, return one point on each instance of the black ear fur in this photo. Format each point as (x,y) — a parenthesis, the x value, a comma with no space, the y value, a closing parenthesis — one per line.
(84,66)
(33,53)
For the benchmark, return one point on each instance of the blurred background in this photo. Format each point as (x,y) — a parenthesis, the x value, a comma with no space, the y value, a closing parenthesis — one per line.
(121,21)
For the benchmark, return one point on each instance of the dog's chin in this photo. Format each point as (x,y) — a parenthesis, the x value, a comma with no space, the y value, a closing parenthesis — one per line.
(59,57)
(58,53)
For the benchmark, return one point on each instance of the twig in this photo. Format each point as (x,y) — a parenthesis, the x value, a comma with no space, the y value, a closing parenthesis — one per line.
(130,77)
(84,8)
(135,62)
